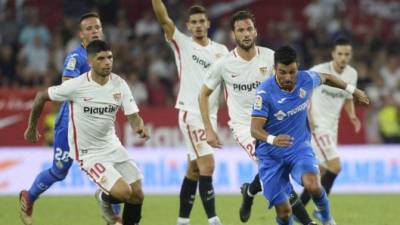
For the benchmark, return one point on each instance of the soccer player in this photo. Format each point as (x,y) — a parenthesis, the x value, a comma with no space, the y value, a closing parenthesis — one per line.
(326,104)
(75,65)
(279,124)
(241,71)
(95,98)
(194,56)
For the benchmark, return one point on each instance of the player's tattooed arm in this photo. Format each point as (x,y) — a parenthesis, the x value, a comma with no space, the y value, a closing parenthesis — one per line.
(211,135)
(163,18)
(137,125)
(31,133)
(333,81)
(258,132)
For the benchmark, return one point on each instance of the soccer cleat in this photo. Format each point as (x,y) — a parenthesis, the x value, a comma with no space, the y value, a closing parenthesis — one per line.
(317,215)
(26,208)
(331,221)
(214,221)
(247,202)
(107,211)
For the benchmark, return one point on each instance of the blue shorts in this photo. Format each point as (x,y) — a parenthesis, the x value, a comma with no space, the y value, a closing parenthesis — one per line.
(274,174)
(61,160)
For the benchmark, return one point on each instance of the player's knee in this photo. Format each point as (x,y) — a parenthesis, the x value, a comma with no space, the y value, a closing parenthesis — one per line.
(206,169)
(137,196)
(122,192)
(284,213)
(193,173)
(314,188)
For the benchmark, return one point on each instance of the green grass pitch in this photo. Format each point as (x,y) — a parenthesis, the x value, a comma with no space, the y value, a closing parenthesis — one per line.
(162,210)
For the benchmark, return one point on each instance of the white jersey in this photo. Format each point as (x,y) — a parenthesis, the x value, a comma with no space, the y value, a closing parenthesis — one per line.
(193,62)
(93,109)
(241,78)
(327,101)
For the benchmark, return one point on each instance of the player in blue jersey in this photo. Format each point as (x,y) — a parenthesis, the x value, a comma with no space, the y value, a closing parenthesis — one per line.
(75,65)
(280,126)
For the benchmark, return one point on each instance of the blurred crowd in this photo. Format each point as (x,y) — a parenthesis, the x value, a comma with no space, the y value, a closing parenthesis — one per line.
(33,46)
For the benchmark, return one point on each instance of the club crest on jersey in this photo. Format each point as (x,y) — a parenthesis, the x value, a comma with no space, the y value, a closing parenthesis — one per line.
(264,70)
(302,93)
(280,115)
(218,55)
(117,97)
(71,64)
(258,103)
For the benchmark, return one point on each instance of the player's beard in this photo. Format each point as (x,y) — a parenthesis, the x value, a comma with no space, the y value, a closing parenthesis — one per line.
(244,46)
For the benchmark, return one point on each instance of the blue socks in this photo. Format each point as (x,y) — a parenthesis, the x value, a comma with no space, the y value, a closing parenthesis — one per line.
(42,182)
(279,221)
(322,204)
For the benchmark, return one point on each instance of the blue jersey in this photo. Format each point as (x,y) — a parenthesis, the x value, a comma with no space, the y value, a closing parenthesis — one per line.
(75,64)
(286,113)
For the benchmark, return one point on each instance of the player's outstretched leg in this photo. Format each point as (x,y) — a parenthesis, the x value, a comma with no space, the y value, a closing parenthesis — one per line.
(26,207)
(104,201)
(313,186)
(206,189)
(188,193)
(247,202)
(299,212)
(248,190)
(132,213)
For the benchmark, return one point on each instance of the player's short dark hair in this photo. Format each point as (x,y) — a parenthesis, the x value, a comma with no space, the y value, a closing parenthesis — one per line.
(340,41)
(285,55)
(197,9)
(242,15)
(88,15)
(97,46)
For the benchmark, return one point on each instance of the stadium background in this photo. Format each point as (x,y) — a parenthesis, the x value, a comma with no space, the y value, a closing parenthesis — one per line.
(35,36)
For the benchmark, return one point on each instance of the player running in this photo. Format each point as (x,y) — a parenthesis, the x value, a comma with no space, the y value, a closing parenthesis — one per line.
(241,71)
(326,105)
(95,98)
(193,56)
(90,28)
(279,124)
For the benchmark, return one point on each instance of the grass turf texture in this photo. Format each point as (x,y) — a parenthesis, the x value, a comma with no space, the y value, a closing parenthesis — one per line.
(163,210)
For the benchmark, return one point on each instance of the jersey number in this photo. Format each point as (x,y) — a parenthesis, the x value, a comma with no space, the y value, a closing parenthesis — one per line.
(61,155)
(96,170)
(199,135)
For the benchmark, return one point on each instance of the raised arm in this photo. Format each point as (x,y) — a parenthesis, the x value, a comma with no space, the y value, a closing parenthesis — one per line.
(31,133)
(331,80)
(137,125)
(212,138)
(163,18)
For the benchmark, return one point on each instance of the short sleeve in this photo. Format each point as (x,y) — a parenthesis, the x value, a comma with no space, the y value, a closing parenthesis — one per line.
(214,76)
(315,77)
(260,106)
(128,102)
(72,66)
(64,91)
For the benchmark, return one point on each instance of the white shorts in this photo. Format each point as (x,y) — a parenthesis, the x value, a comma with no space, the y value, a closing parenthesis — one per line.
(324,143)
(106,170)
(194,134)
(243,137)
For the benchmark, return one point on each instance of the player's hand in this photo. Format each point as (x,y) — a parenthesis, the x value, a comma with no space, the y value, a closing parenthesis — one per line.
(31,135)
(143,133)
(212,139)
(356,123)
(361,97)
(283,140)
